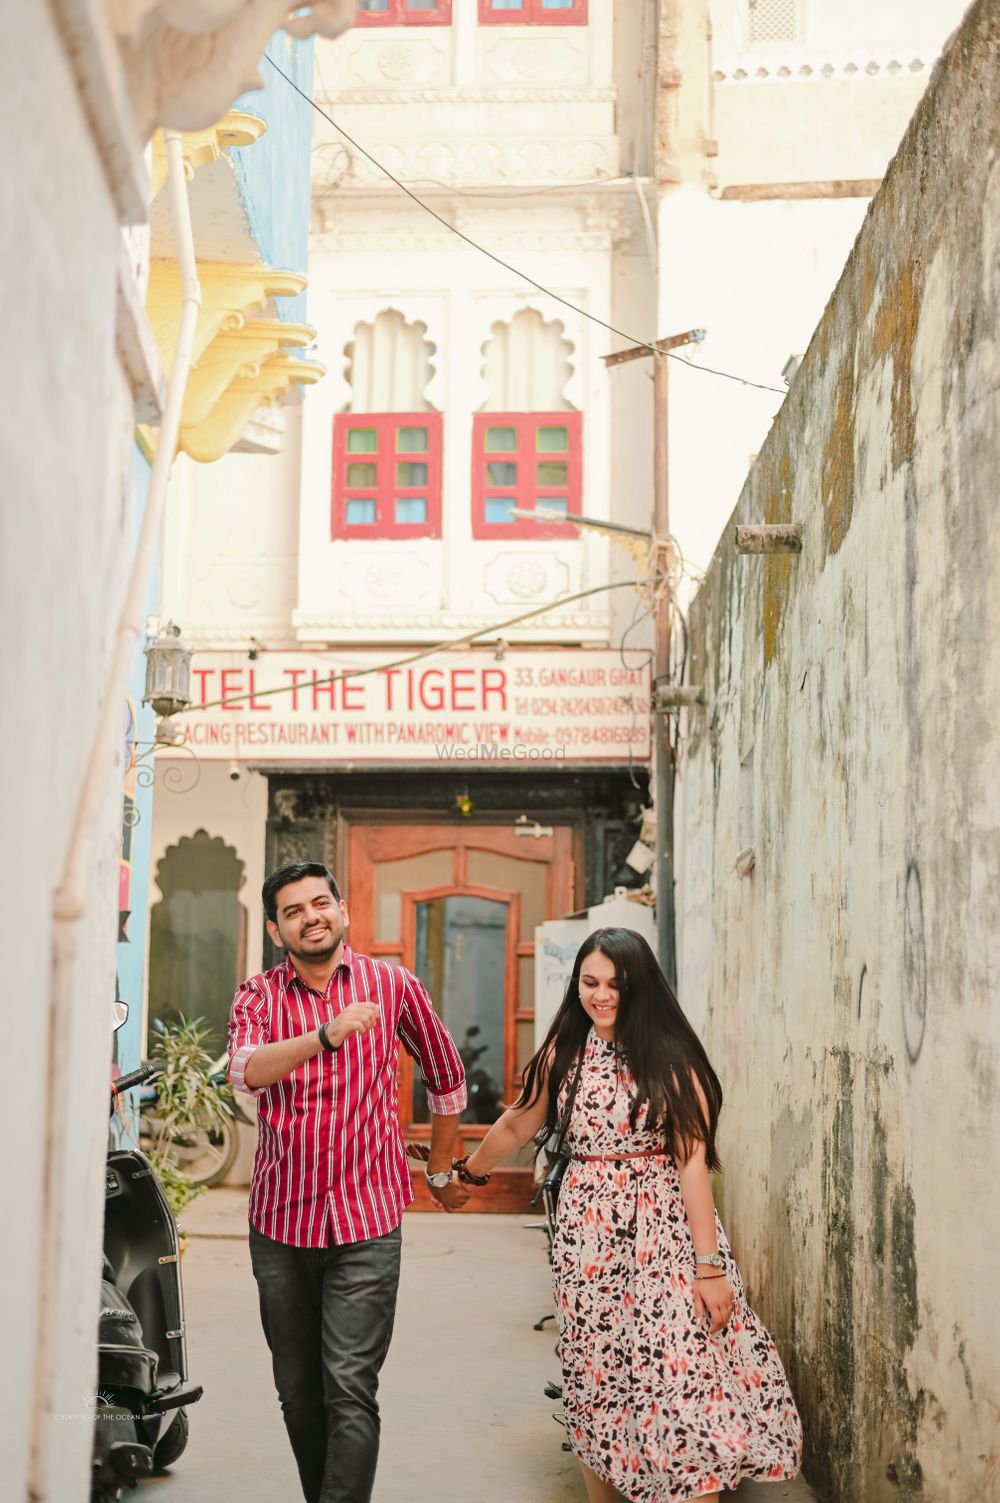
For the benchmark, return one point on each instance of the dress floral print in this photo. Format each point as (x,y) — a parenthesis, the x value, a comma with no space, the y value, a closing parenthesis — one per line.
(654,1404)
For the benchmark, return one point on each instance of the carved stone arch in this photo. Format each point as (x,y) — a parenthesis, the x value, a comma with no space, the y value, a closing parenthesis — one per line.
(527,363)
(388,364)
(197,932)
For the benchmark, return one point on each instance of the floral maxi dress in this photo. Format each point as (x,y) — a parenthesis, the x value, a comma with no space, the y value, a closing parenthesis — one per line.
(654,1404)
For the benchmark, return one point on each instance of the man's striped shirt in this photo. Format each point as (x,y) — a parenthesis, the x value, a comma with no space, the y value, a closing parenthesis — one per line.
(331,1163)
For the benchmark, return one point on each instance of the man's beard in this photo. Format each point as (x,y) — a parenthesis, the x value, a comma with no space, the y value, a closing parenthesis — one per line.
(323,952)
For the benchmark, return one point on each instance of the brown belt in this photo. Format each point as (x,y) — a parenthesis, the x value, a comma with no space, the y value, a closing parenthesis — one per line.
(613,1158)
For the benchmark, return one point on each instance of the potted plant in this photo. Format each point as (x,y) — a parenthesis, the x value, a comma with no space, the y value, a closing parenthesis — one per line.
(192,1113)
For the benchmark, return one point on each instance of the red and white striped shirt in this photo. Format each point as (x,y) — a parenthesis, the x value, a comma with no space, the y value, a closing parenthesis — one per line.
(331,1163)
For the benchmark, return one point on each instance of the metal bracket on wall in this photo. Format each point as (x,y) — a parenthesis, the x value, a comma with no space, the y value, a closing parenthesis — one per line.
(678,696)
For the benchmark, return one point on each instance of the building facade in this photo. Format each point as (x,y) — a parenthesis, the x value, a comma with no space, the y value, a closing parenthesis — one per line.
(487,766)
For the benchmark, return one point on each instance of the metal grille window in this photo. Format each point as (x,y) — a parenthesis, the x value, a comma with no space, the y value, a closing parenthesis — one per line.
(774,22)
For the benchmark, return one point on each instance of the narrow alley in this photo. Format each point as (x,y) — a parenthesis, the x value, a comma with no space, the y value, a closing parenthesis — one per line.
(464,1416)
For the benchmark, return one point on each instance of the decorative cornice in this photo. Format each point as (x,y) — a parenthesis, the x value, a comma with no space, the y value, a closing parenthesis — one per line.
(788,68)
(516,94)
(511,239)
(230,294)
(355,624)
(518,161)
(257,387)
(240,363)
(238,354)
(237,128)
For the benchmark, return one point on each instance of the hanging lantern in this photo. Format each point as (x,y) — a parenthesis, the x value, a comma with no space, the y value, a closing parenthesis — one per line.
(168,672)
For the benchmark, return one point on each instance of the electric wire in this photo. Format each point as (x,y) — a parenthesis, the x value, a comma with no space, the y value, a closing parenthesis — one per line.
(424,652)
(645,344)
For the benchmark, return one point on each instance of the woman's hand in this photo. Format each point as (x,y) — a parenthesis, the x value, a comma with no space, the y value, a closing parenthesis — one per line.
(714,1298)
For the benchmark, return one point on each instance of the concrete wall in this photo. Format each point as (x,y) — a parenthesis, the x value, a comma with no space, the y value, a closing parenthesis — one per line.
(65,542)
(850,737)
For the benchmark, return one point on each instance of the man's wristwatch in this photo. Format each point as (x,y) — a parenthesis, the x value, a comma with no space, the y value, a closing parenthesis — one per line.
(439,1180)
(714,1259)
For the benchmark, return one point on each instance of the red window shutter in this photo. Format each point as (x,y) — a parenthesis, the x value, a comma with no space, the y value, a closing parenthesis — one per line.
(404,13)
(544,464)
(533,13)
(386,475)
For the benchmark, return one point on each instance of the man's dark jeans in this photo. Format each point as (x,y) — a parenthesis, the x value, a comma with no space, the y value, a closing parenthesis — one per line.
(327,1313)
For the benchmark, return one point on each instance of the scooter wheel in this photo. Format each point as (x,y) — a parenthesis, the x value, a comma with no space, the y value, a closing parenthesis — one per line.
(172,1445)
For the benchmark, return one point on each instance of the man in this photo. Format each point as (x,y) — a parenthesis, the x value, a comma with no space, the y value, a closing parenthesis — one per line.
(316,1040)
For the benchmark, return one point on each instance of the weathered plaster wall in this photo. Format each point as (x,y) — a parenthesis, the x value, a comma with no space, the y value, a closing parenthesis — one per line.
(65,542)
(851,736)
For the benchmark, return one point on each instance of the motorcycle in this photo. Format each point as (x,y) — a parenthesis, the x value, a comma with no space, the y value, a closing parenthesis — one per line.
(140,1418)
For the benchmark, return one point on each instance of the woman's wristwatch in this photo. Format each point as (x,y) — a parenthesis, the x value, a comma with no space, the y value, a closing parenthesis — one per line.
(714,1259)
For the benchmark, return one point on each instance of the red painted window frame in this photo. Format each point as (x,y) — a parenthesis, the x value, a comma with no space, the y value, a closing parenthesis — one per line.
(398,15)
(533,15)
(525,491)
(384,492)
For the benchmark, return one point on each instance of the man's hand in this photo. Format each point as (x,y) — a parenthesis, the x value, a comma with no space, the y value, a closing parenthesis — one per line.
(359,1017)
(452,1198)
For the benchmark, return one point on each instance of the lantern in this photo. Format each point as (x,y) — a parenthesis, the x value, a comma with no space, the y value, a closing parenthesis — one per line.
(168,672)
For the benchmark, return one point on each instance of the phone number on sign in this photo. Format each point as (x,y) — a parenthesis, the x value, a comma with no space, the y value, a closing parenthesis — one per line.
(601,735)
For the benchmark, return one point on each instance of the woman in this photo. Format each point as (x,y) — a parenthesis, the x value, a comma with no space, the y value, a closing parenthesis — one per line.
(672,1388)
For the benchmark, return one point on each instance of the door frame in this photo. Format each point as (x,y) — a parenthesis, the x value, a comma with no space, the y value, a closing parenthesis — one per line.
(510,1189)
(512,901)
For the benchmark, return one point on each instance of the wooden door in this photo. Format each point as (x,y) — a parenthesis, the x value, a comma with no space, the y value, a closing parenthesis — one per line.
(458,905)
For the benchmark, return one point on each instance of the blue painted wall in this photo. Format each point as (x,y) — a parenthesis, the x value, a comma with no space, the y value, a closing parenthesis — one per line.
(274,174)
(132,950)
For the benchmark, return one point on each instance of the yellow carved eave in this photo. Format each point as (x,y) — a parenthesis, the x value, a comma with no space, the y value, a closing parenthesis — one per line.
(239,353)
(201,146)
(215,436)
(230,295)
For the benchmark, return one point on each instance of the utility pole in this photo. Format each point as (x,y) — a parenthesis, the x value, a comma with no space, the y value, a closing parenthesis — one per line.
(663,766)
(663,560)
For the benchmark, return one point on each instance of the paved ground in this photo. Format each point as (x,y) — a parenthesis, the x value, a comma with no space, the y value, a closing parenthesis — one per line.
(472,1287)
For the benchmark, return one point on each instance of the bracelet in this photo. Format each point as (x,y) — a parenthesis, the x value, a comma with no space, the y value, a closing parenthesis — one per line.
(324,1037)
(706,1278)
(465,1176)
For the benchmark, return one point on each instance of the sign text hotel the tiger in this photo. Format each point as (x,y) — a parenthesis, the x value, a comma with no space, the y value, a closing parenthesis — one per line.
(585,706)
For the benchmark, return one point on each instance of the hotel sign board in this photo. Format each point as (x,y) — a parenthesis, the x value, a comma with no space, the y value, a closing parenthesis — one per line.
(529,708)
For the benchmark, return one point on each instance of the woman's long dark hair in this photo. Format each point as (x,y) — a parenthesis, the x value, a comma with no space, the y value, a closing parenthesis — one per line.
(653,1040)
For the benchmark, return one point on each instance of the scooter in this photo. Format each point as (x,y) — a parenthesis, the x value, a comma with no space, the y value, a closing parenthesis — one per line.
(140,1409)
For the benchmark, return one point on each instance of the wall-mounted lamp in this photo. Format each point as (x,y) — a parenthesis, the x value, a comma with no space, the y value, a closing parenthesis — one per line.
(168,676)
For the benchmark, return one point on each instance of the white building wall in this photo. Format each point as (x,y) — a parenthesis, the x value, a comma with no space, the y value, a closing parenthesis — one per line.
(764,197)
(65,440)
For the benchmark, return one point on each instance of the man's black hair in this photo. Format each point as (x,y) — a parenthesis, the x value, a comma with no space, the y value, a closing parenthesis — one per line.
(293,871)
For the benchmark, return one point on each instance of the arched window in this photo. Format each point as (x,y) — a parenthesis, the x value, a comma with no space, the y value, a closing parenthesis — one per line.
(387,444)
(527,441)
(197,933)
